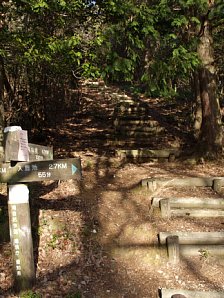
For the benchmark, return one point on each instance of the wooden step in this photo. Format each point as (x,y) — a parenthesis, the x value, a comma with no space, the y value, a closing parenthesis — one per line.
(210,203)
(153,183)
(175,249)
(139,129)
(145,153)
(135,116)
(197,213)
(194,238)
(168,211)
(130,108)
(138,122)
(130,142)
(201,250)
(130,103)
(140,134)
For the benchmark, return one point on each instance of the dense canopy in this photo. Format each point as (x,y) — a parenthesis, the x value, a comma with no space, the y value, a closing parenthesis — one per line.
(164,48)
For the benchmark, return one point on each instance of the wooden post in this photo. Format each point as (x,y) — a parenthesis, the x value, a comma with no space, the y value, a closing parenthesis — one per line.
(173,249)
(217,184)
(202,238)
(21,237)
(171,157)
(189,202)
(165,208)
(152,185)
(16,149)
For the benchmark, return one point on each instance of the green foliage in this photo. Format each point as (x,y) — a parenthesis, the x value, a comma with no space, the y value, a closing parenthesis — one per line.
(54,240)
(43,43)
(125,39)
(204,254)
(152,45)
(48,35)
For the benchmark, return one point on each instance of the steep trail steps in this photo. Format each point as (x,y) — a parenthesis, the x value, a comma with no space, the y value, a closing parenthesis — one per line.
(109,118)
(188,207)
(134,126)
(181,246)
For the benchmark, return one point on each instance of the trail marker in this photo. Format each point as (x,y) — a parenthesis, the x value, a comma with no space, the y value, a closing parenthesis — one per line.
(24,163)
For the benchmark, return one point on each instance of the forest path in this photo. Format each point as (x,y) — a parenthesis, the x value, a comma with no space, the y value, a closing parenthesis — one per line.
(92,127)
(98,238)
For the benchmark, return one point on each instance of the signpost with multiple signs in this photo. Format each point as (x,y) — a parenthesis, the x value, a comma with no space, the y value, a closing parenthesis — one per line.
(24,163)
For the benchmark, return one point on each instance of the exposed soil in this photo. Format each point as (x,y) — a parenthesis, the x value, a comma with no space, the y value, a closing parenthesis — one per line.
(99,237)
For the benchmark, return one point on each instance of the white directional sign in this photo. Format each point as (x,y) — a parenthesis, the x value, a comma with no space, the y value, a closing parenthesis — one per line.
(58,169)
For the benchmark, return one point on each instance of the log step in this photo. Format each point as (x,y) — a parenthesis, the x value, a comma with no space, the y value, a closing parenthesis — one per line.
(198,210)
(129,142)
(123,108)
(141,153)
(140,134)
(201,250)
(168,293)
(153,183)
(176,250)
(195,238)
(132,117)
(146,122)
(197,213)
(130,130)
(176,247)
(210,203)
(129,102)
(131,109)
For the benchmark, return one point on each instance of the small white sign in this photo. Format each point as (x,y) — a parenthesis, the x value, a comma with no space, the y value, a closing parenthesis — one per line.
(23,153)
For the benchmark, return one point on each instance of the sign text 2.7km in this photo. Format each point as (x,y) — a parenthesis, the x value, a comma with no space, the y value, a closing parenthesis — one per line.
(59,169)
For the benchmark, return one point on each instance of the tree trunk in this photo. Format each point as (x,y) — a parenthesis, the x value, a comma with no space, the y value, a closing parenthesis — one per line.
(197,107)
(211,129)
(5,86)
